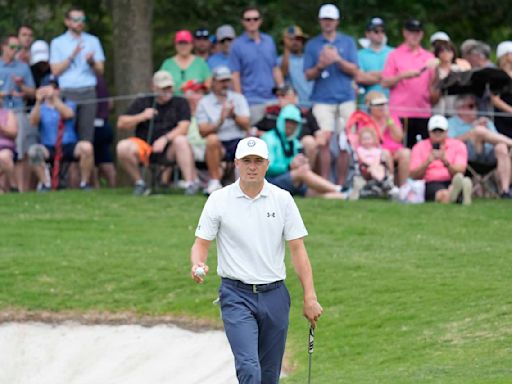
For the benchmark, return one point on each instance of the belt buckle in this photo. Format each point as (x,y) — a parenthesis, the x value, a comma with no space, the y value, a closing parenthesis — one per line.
(255,288)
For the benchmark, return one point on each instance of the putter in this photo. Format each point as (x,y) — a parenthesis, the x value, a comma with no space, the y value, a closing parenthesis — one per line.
(311,344)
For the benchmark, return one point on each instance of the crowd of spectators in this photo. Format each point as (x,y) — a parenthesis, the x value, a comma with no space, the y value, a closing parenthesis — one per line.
(332,115)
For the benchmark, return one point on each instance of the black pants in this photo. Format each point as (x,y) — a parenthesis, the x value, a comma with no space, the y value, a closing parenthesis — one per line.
(415,127)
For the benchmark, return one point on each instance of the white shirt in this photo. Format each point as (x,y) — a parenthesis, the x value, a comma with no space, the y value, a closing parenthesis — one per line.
(251,233)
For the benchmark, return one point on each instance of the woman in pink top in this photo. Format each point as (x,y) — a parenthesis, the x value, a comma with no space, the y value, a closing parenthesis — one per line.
(8,132)
(391,132)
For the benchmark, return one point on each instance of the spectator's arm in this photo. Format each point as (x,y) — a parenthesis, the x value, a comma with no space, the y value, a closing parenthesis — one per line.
(237,87)
(35,115)
(131,121)
(390,82)
(285,62)
(278,76)
(348,67)
(27,90)
(395,130)
(10,129)
(98,67)
(419,172)
(65,111)
(498,102)
(314,72)
(368,78)
(206,129)
(181,129)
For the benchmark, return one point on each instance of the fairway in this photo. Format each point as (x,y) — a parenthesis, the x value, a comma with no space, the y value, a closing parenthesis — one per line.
(411,294)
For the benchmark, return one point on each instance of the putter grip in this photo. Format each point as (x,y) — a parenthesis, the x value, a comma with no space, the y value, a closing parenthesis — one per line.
(311,340)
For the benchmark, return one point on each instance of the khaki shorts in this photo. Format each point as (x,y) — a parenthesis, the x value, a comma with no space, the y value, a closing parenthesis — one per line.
(333,117)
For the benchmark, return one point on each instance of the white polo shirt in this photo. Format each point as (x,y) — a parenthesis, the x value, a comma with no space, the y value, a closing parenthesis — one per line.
(251,233)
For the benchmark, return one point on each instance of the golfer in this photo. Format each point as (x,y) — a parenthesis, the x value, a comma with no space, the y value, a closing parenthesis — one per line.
(251,219)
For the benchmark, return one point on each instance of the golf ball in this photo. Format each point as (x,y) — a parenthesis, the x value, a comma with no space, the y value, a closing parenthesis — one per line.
(199,272)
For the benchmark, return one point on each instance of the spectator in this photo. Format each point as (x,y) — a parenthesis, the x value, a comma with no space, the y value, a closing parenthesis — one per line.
(446,54)
(437,37)
(185,66)
(48,113)
(25,37)
(503,102)
(407,75)
(75,58)
(167,138)
(391,132)
(223,119)
(478,55)
(441,162)
(372,58)
(202,43)
(8,131)
(40,62)
(484,144)
(225,35)
(292,64)
(17,84)
(103,136)
(309,131)
(289,169)
(253,62)
(330,61)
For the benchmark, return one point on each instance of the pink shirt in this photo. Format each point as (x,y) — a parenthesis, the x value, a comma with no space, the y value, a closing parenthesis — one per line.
(369,156)
(409,97)
(455,152)
(387,140)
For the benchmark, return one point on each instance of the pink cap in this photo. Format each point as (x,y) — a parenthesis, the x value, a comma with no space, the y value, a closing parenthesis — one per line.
(183,35)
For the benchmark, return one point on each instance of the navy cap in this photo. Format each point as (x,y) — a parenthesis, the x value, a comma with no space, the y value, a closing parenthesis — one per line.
(374,23)
(413,25)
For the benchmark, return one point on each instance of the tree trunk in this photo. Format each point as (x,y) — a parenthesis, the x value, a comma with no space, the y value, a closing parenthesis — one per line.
(132,45)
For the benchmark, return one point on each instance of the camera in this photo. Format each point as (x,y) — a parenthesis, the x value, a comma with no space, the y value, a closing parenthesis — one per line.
(436,146)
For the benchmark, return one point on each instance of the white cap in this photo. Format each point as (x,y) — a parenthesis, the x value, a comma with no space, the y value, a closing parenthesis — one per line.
(329,11)
(163,79)
(439,35)
(251,146)
(39,51)
(503,48)
(225,31)
(438,122)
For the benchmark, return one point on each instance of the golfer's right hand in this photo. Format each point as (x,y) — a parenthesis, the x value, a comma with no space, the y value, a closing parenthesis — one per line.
(195,277)
(312,311)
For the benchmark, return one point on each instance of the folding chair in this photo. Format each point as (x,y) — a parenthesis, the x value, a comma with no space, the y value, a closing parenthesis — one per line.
(484,179)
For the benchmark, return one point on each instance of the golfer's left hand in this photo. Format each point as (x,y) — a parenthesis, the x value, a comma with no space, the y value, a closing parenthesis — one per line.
(312,311)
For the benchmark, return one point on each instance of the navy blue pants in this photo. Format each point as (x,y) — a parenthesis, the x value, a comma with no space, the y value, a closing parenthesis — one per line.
(256,325)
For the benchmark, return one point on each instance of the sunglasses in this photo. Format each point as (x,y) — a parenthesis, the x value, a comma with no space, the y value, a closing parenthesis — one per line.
(469,106)
(251,19)
(80,19)
(378,31)
(183,42)
(226,39)
(16,47)
(201,37)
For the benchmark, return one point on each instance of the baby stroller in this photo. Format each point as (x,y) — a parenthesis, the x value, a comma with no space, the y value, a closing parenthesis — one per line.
(372,178)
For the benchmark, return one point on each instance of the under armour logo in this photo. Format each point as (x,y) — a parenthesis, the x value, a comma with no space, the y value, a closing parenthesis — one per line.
(271,214)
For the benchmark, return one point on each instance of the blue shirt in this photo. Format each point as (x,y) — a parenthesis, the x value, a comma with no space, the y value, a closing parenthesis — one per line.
(79,74)
(297,79)
(15,68)
(49,125)
(371,61)
(333,86)
(255,62)
(218,59)
(457,127)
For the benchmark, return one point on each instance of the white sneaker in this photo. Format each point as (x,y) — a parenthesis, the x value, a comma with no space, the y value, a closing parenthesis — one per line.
(213,185)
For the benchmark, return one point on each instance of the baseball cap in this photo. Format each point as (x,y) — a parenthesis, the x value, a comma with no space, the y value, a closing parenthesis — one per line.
(329,11)
(183,35)
(438,122)
(221,73)
(251,146)
(39,51)
(503,48)
(413,25)
(163,79)
(439,35)
(225,32)
(201,32)
(294,31)
(50,80)
(374,23)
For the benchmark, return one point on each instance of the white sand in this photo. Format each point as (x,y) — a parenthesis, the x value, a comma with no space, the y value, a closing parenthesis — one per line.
(36,353)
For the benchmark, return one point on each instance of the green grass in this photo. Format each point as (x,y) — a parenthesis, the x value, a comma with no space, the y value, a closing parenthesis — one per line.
(412,294)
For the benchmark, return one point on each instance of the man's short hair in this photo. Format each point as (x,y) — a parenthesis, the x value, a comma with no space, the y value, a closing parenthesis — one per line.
(25,26)
(481,49)
(461,99)
(250,8)
(6,38)
(73,8)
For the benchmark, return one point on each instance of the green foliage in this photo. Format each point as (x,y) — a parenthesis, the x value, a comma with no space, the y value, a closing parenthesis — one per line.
(411,294)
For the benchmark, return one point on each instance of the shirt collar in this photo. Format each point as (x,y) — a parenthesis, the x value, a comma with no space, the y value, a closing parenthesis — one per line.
(264,191)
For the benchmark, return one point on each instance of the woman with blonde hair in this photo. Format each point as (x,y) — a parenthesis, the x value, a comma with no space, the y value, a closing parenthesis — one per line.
(392,134)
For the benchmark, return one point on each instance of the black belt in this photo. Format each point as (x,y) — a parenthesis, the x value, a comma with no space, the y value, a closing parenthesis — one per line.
(254,288)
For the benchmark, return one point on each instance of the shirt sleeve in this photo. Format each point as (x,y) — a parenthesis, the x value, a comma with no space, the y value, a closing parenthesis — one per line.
(352,52)
(136,107)
(56,54)
(389,67)
(209,221)
(293,226)
(241,106)
(461,154)
(416,157)
(183,110)
(309,57)
(99,55)
(234,59)
(274,53)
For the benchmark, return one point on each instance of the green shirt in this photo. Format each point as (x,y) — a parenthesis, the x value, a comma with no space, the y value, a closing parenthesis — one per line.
(198,70)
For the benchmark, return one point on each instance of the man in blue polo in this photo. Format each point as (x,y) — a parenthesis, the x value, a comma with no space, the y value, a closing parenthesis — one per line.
(331,62)
(251,220)
(75,58)
(253,61)
(373,57)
